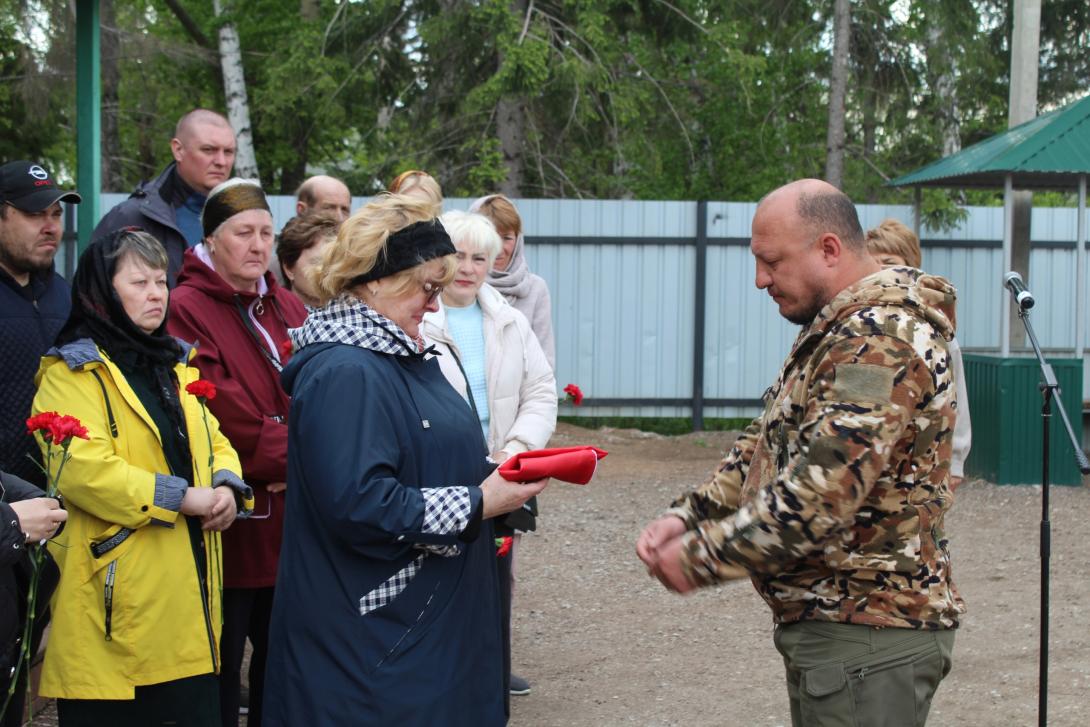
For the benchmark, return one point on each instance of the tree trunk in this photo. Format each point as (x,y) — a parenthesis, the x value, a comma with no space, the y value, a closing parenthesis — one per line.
(1025,57)
(511,130)
(511,126)
(943,65)
(309,11)
(838,92)
(234,90)
(113,180)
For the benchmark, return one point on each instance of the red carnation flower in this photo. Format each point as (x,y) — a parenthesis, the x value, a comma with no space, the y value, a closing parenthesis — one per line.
(574,393)
(55,428)
(40,422)
(503,545)
(201,389)
(285,348)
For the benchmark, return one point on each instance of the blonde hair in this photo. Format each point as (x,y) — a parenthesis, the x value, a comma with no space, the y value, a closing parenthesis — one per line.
(892,237)
(416,182)
(501,211)
(474,230)
(362,239)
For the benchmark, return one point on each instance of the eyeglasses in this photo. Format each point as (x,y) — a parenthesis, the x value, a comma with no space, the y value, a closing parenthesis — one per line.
(432,290)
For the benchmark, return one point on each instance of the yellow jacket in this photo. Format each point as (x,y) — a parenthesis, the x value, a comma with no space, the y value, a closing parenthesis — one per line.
(134,613)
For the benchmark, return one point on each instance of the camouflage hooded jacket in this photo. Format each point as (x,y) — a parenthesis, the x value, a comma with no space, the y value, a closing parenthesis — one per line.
(832,501)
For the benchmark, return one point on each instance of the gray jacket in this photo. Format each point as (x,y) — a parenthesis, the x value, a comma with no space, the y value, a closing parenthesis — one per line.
(151,208)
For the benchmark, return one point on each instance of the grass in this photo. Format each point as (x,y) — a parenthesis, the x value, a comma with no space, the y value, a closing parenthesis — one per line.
(669,426)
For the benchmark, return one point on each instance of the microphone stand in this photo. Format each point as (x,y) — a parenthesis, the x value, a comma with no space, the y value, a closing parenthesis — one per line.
(1050,389)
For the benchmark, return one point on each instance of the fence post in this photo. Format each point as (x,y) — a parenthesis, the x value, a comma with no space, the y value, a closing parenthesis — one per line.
(700,280)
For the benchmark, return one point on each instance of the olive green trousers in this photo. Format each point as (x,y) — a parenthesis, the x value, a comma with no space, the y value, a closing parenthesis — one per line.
(849,675)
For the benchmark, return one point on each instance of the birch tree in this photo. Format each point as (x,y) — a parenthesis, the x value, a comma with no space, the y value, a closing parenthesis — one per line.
(838,93)
(234,91)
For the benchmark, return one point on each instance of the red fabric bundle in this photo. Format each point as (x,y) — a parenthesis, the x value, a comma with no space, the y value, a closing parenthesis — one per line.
(571,464)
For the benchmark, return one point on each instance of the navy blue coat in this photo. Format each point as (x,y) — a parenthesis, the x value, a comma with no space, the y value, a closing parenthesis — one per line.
(31,316)
(367,431)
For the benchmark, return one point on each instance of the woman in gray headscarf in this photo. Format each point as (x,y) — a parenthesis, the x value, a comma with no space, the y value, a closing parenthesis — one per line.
(511,276)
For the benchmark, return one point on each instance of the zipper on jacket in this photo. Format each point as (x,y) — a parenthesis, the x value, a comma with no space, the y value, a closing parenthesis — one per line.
(108,597)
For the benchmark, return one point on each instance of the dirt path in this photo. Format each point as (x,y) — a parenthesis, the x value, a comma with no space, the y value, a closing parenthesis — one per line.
(603,644)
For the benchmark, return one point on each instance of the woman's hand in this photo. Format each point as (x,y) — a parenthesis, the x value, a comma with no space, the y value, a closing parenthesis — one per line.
(198,502)
(500,457)
(223,511)
(39,517)
(501,496)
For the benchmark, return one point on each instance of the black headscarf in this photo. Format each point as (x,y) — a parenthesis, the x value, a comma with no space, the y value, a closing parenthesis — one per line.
(145,359)
(98,313)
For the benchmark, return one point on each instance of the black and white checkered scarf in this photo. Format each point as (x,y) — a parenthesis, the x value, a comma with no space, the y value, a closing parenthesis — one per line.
(349,320)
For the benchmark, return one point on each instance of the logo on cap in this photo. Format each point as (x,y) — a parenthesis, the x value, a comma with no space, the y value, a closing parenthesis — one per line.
(37,172)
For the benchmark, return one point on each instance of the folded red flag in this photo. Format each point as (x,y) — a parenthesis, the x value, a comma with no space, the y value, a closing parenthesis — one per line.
(571,464)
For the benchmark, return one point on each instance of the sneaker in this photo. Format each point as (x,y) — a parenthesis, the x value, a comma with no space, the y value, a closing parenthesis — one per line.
(519,686)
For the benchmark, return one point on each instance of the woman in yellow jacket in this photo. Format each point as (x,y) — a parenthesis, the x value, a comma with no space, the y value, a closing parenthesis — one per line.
(136,617)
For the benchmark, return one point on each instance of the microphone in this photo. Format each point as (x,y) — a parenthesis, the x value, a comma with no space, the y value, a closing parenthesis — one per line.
(1022,297)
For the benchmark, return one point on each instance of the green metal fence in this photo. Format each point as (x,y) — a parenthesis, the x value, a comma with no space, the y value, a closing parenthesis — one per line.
(1005,404)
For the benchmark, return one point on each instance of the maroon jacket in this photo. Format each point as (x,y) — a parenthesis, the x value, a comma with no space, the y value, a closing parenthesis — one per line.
(250,404)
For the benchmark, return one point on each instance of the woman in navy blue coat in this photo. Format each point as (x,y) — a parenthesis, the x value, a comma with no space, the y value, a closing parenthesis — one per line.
(387,609)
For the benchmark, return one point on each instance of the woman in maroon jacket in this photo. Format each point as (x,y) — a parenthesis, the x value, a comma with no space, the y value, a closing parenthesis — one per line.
(229,305)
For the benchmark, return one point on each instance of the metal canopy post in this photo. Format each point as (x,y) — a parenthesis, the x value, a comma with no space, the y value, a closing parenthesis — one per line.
(88,117)
(1008,249)
(1080,272)
(917,211)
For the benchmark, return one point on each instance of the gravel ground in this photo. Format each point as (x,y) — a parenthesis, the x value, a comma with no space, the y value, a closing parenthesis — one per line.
(605,645)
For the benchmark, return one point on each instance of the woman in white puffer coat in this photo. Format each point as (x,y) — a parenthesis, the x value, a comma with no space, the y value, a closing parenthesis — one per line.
(489,349)
(490,355)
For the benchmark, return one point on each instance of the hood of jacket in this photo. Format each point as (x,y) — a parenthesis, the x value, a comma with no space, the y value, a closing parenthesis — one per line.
(83,351)
(493,305)
(197,272)
(926,297)
(155,197)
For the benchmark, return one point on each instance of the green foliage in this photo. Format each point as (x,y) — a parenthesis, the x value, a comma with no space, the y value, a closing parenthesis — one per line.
(688,99)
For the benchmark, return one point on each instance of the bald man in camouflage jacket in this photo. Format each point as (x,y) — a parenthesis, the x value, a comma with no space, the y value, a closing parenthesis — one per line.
(832,501)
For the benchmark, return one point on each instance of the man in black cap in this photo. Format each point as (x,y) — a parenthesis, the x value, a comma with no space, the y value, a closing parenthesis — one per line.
(34,300)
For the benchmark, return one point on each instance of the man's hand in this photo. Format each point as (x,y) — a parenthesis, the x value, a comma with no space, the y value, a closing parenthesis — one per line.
(668,568)
(39,517)
(655,536)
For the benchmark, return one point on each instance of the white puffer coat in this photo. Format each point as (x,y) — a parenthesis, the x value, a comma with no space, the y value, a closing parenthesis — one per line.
(522,395)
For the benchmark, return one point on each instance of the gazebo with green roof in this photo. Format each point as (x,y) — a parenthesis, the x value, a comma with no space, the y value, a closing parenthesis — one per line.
(1051,151)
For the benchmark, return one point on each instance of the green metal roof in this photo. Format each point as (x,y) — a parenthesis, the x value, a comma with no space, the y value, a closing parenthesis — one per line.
(1049,152)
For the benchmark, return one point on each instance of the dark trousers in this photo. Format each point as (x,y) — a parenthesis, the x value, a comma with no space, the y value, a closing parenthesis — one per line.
(850,675)
(189,702)
(246,613)
(503,566)
(13,717)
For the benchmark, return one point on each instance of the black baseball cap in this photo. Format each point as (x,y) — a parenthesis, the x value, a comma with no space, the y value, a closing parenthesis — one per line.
(29,187)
